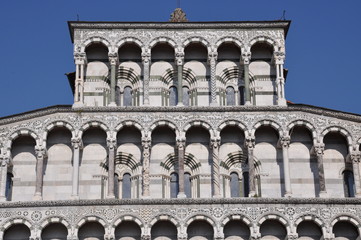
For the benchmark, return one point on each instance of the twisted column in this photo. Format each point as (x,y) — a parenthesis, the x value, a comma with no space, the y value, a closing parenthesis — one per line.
(356,158)
(112,145)
(80,61)
(113,60)
(146,144)
(212,59)
(146,74)
(279,58)
(77,144)
(250,144)
(246,57)
(179,57)
(215,143)
(285,143)
(4,171)
(181,152)
(319,149)
(40,153)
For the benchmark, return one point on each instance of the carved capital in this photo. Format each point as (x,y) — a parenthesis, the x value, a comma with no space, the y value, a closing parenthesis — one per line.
(319,148)
(145,237)
(246,57)
(112,143)
(40,151)
(212,57)
(80,58)
(113,58)
(215,143)
(76,143)
(279,57)
(356,156)
(146,143)
(181,143)
(146,56)
(250,142)
(179,56)
(4,160)
(285,141)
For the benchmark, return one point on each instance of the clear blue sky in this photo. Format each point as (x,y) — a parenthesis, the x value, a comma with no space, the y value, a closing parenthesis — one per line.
(323,45)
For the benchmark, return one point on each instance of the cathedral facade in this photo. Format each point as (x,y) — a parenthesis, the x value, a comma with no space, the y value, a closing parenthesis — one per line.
(180,130)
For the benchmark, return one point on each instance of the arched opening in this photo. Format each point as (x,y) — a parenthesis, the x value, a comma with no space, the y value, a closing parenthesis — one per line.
(24,161)
(230,96)
(54,231)
(309,230)
(235,185)
(269,155)
(173,96)
(163,146)
(58,165)
(93,155)
(97,75)
(9,186)
(334,162)
(344,230)
(127,96)
(174,185)
(128,230)
(185,96)
(91,231)
(16,232)
(348,183)
(197,144)
(126,186)
(241,95)
(200,230)
(164,230)
(305,183)
(187,185)
(273,230)
(236,230)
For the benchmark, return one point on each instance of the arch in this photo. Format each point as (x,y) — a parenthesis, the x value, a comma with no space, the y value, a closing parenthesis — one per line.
(229,39)
(267,122)
(240,217)
(126,40)
(303,123)
(56,124)
(346,218)
(22,132)
(201,229)
(17,231)
(203,124)
(162,40)
(95,39)
(167,123)
(208,219)
(14,221)
(231,122)
(90,219)
(195,39)
(263,39)
(276,217)
(337,129)
(130,123)
(131,218)
(96,124)
(165,217)
(51,220)
(309,217)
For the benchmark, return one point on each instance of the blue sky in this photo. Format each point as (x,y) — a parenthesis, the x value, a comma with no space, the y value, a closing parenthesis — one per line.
(323,45)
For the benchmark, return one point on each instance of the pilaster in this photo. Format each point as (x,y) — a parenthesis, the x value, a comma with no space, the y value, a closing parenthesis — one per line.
(285,143)
(40,152)
(246,58)
(112,145)
(113,60)
(215,143)
(212,60)
(179,59)
(319,149)
(356,158)
(146,144)
(250,144)
(146,57)
(77,145)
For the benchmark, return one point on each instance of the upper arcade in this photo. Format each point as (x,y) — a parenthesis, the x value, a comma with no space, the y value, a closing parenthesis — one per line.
(178,63)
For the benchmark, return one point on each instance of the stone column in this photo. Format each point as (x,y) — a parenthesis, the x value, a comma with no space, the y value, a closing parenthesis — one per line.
(146,143)
(356,158)
(4,171)
(146,75)
(112,145)
(285,143)
(212,60)
(77,144)
(181,153)
(80,61)
(246,57)
(250,144)
(179,55)
(40,152)
(113,60)
(319,149)
(215,143)
(279,61)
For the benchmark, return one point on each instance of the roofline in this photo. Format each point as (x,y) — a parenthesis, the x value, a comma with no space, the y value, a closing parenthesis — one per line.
(290,108)
(285,24)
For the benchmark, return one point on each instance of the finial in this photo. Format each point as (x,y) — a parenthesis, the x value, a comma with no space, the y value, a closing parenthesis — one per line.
(178,16)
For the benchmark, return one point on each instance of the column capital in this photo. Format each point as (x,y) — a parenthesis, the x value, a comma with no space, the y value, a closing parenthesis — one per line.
(246,57)
(80,57)
(279,57)
(181,143)
(113,58)
(285,141)
(4,160)
(250,142)
(112,143)
(355,156)
(146,142)
(215,143)
(212,57)
(40,151)
(179,57)
(77,142)
(146,56)
(319,148)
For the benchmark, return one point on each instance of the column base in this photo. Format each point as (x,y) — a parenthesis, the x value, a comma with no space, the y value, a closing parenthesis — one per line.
(111,197)
(288,195)
(217,196)
(75,197)
(324,195)
(37,197)
(181,195)
(112,104)
(252,194)
(180,105)
(248,103)
(146,197)
(78,105)
(214,104)
(282,102)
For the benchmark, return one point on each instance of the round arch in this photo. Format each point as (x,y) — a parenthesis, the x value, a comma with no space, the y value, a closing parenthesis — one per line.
(130,123)
(157,40)
(263,39)
(240,217)
(126,40)
(200,40)
(203,124)
(269,123)
(229,39)
(59,124)
(95,39)
(276,217)
(161,123)
(128,218)
(232,123)
(87,219)
(337,129)
(165,217)
(90,124)
(22,132)
(303,123)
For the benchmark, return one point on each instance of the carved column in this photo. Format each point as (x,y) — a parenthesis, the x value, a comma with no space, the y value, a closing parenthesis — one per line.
(4,171)
(112,145)
(356,158)
(212,59)
(80,61)
(40,152)
(77,144)
(146,72)
(181,153)
(280,81)
(246,57)
(250,144)
(179,55)
(113,60)
(215,143)
(319,149)
(146,143)
(285,143)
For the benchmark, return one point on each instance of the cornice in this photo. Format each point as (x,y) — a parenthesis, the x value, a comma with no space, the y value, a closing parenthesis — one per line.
(144,109)
(185,201)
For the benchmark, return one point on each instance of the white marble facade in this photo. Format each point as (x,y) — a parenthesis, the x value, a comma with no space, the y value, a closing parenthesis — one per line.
(180,131)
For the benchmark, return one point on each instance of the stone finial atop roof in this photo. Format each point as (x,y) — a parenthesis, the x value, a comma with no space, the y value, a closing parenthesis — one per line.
(178,16)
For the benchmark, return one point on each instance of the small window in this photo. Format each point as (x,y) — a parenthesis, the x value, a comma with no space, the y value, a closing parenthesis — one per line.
(245,184)
(174,185)
(173,96)
(127,96)
(116,186)
(117,96)
(185,96)
(187,185)
(235,186)
(231,101)
(126,186)
(9,186)
(349,183)
(241,95)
